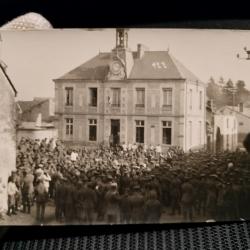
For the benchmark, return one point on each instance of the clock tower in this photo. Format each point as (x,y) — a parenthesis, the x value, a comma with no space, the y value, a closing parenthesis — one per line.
(121,57)
(121,38)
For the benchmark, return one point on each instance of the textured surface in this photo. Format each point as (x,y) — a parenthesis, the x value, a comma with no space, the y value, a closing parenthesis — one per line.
(234,236)
(28,21)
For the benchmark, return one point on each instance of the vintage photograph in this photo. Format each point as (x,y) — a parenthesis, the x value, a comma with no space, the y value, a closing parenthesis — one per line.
(124,126)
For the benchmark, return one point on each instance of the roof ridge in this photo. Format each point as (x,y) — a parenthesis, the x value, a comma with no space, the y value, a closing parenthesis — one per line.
(236,111)
(180,67)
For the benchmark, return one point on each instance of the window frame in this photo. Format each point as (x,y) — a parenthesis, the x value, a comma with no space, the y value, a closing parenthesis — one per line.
(92,123)
(90,97)
(139,124)
(200,100)
(140,105)
(167,106)
(167,125)
(68,97)
(190,99)
(69,126)
(116,105)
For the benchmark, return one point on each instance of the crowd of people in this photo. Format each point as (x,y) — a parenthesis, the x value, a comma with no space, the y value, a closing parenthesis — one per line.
(128,183)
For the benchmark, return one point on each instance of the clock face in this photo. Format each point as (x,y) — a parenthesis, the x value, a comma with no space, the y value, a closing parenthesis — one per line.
(116,67)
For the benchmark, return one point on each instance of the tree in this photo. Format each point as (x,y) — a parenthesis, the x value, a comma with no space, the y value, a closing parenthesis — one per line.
(240,85)
(229,84)
(246,143)
(221,81)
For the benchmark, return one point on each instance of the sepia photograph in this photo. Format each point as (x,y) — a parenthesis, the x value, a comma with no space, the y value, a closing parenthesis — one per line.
(124,126)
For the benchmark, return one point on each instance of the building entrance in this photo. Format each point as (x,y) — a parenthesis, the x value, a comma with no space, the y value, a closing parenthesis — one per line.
(115,132)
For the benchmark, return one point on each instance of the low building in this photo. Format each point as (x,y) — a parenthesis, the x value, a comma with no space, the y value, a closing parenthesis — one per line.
(225,132)
(36,119)
(222,129)
(32,131)
(39,105)
(7,128)
(242,115)
(126,96)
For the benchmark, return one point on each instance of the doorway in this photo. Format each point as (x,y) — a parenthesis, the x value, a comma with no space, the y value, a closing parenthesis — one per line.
(115,132)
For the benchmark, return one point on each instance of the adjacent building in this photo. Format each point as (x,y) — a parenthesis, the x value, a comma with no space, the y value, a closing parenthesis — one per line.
(7,129)
(242,115)
(126,96)
(36,119)
(39,105)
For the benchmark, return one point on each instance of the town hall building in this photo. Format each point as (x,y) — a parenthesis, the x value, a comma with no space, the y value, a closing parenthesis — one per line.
(126,96)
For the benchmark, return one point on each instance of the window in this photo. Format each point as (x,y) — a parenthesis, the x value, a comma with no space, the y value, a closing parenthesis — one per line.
(116,96)
(92,129)
(69,126)
(200,132)
(200,100)
(190,99)
(69,96)
(190,133)
(167,98)
(227,142)
(140,97)
(93,97)
(167,132)
(139,131)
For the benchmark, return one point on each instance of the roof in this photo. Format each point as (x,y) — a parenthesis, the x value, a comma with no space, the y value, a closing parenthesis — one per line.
(28,105)
(95,69)
(160,65)
(236,111)
(2,67)
(152,65)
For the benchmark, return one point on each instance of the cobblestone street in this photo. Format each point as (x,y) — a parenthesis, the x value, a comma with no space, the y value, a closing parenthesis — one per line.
(30,219)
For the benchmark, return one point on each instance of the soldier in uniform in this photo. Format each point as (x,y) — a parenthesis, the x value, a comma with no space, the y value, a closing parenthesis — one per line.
(153,208)
(187,199)
(175,195)
(137,204)
(27,191)
(125,207)
(41,199)
(112,204)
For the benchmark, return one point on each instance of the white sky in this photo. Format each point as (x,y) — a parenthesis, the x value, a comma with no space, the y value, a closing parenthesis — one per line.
(34,58)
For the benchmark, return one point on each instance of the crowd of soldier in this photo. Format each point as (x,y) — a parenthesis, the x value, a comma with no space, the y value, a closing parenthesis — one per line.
(137,185)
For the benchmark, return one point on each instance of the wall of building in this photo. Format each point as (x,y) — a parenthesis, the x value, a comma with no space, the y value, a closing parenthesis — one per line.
(37,134)
(153,113)
(229,130)
(7,132)
(46,108)
(195,122)
(243,122)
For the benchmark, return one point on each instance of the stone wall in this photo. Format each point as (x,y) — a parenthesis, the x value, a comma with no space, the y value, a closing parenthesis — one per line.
(7,131)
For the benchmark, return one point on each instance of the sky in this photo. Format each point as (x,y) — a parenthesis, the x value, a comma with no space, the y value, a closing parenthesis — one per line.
(35,58)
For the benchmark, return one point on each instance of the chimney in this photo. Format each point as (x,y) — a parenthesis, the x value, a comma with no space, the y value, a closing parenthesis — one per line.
(241,107)
(140,50)
(39,120)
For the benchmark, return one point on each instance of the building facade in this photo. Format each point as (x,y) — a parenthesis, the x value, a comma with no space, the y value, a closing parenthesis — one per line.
(226,132)
(242,115)
(7,130)
(31,109)
(126,96)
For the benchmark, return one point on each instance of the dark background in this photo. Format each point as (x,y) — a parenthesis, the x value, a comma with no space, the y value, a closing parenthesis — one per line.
(114,13)
(93,14)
